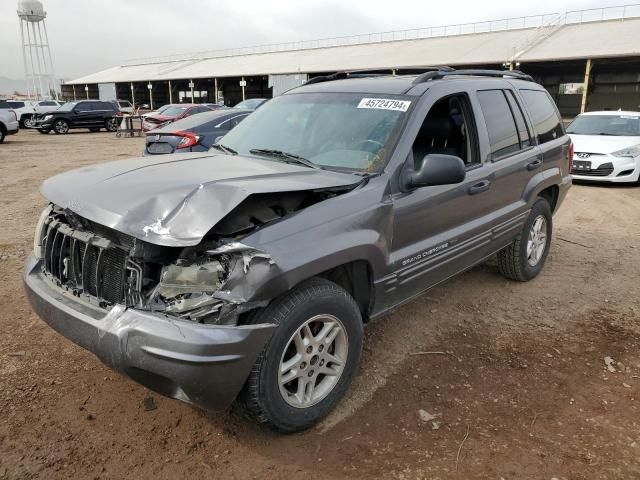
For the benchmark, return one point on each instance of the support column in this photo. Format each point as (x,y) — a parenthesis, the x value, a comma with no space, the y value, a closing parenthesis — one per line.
(170,93)
(133,96)
(150,87)
(86,90)
(215,90)
(74,93)
(585,88)
(243,83)
(191,85)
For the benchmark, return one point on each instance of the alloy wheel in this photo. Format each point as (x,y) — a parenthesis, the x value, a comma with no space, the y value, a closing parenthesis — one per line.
(537,241)
(61,126)
(313,361)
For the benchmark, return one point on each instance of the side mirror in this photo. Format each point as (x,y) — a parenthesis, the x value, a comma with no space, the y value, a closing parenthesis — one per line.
(435,169)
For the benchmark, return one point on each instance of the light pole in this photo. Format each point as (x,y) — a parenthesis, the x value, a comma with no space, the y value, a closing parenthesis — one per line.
(133,96)
(191,85)
(150,87)
(86,91)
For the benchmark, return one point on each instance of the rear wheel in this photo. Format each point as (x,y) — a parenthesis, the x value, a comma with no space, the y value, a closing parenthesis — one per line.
(94,129)
(61,127)
(524,258)
(309,362)
(112,124)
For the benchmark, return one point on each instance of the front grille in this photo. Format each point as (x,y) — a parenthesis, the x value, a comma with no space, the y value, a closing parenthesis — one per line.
(603,170)
(85,263)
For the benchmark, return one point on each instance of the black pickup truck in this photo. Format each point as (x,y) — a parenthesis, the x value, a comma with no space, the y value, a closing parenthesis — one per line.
(248,272)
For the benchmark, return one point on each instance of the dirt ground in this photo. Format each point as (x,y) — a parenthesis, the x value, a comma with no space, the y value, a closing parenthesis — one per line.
(479,378)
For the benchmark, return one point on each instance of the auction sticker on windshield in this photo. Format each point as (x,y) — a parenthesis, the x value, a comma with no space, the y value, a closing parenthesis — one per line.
(385,104)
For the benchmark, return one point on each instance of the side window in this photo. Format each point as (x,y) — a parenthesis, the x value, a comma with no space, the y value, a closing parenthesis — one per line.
(545,116)
(523,130)
(47,104)
(501,127)
(84,107)
(449,129)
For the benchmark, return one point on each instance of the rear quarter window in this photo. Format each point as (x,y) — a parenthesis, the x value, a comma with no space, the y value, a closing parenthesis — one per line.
(544,115)
(501,127)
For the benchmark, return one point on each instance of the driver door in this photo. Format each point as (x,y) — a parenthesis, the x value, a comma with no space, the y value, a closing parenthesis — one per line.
(439,231)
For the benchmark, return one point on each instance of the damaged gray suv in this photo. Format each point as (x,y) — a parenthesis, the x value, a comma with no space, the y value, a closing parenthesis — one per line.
(246,274)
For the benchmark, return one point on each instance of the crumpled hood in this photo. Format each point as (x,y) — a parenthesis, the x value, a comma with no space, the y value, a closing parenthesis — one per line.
(174,200)
(603,144)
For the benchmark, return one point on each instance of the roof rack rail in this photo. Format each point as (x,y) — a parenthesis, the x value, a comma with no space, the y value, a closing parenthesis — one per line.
(369,73)
(438,74)
(343,75)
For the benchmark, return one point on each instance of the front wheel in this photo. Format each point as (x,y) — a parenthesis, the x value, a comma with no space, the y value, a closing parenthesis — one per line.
(524,258)
(309,362)
(61,127)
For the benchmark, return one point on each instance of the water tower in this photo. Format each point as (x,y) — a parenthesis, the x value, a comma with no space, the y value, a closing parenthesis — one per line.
(36,54)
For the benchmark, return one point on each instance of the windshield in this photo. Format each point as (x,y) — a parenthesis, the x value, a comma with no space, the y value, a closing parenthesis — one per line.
(346,131)
(172,111)
(617,125)
(251,104)
(67,107)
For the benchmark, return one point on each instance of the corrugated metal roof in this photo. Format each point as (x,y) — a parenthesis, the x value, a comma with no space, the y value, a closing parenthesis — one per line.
(588,40)
(613,38)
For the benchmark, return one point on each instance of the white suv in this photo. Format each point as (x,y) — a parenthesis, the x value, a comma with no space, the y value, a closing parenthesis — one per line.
(606,146)
(8,122)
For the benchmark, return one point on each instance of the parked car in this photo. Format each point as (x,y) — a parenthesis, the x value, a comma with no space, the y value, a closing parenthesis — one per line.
(46,106)
(9,124)
(248,273)
(250,104)
(196,133)
(91,114)
(607,147)
(24,110)
(125,106)
(171,113)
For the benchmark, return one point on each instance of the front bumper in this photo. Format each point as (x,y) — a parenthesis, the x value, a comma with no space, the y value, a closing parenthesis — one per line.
(205,365)
(608,168)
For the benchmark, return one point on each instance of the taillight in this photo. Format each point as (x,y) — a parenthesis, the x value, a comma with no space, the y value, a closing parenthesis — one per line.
(188,139)
(570,159)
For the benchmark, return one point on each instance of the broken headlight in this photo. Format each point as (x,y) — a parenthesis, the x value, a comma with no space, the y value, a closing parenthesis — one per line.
(188,290)
(39,235)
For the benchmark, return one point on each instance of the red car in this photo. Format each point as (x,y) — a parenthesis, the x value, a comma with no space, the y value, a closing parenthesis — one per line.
(172,112)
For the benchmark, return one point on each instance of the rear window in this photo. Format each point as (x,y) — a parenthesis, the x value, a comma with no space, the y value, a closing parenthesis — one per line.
(546,119)
(501,127)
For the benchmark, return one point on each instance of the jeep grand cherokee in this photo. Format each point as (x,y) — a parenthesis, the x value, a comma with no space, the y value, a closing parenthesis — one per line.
(247,273)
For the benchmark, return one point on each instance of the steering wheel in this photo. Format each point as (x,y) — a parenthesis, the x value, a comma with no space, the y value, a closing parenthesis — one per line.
(375,143)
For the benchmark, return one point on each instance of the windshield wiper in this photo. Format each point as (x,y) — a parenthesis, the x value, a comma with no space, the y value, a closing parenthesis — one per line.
(288,156)
(224,149)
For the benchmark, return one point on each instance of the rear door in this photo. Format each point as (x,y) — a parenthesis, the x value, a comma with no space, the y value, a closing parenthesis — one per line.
(548,129)
(513,159)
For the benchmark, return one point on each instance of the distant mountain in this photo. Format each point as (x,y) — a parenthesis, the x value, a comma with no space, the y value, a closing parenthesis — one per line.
(10,85)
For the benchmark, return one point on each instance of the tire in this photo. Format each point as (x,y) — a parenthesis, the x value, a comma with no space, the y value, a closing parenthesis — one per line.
(523,259)
(3,134)
(111,125)
(94,129)
(27,121)
(44,131)
(317,303)
(61,127)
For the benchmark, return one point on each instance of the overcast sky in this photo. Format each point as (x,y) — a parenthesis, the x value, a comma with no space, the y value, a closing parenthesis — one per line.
(90,35)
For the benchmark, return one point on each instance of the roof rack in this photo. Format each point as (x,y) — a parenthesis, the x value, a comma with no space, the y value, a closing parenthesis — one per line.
(368,73)
(438,74)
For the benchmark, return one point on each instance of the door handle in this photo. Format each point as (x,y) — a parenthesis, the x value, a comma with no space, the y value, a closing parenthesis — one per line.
(535,164)
(480,187)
